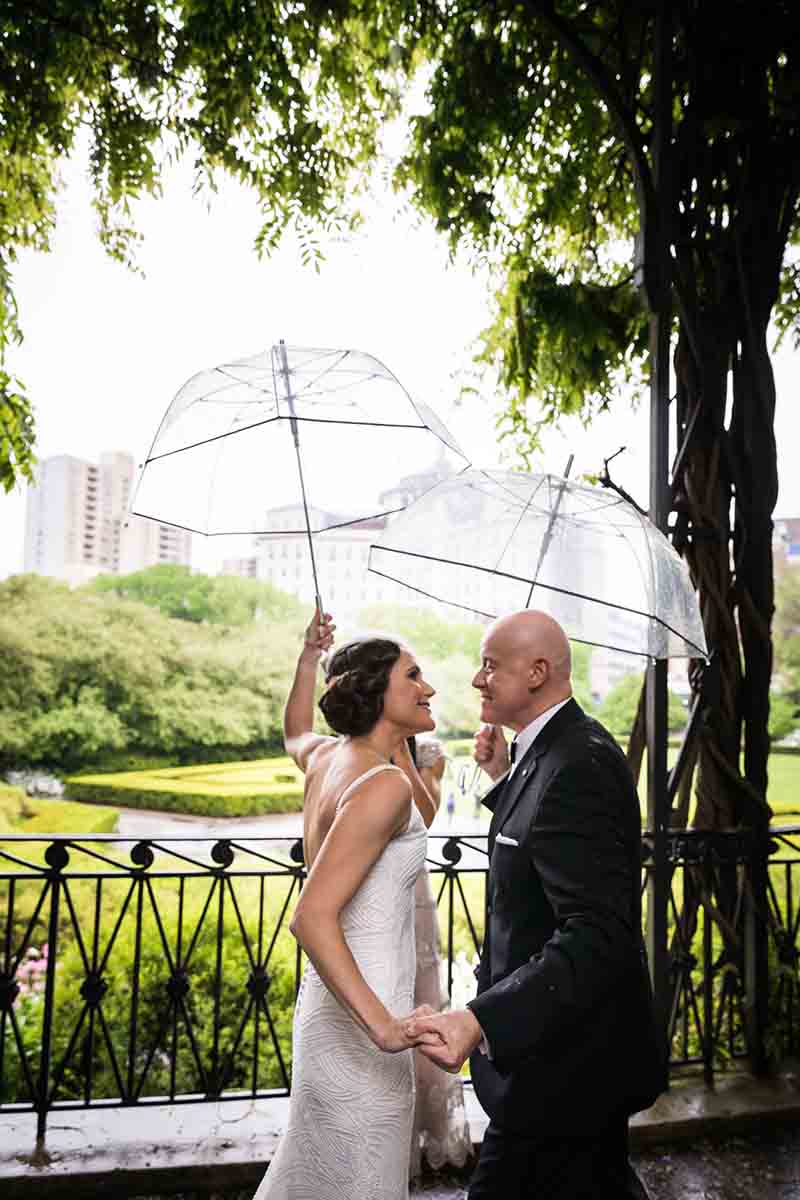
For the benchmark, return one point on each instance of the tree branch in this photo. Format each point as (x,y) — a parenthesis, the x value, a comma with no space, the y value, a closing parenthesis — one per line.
(565,33)
(606,481)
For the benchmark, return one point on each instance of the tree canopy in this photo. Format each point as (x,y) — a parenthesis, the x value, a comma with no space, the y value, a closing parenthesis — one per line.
(618,710)
(98,672)
(177,591)
(87,675)
(253,90)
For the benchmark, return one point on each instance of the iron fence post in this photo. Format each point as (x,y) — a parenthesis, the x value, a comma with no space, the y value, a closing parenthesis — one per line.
(756,952)
(656,274)
(57,858)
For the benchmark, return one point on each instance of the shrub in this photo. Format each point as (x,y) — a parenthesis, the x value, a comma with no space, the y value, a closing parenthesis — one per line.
(784,716)
(235,789)
(87,675)
(161,1007)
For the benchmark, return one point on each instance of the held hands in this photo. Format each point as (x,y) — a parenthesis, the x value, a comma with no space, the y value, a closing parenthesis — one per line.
(447,1039)
(395,1037)
(318,637)
(490,751)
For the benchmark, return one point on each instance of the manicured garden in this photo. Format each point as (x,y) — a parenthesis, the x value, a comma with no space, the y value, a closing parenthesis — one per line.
(274,785)
(233,789)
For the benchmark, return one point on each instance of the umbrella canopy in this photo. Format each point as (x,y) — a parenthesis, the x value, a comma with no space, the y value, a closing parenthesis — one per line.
(494,542)
(224,459)
(292,440)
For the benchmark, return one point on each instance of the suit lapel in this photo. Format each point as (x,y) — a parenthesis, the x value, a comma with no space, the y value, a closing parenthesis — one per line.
(511,789)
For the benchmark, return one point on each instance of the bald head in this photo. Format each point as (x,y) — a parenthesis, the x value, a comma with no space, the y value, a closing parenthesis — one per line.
(536,634)
(525,668)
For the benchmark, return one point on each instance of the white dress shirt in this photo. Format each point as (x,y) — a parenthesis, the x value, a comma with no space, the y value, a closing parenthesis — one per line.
(526,736)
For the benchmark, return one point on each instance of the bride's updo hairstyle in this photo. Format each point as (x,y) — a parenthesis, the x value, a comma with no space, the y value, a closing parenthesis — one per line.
(357,676)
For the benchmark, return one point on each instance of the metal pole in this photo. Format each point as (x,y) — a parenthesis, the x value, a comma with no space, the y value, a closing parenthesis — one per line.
(659,298)
(548,536)
(284,365)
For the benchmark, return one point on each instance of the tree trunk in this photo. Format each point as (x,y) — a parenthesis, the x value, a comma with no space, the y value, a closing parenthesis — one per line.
(703,533)
(754,449)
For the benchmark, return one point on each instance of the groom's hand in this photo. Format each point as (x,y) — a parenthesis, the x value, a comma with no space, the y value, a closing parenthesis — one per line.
(415,1035)
(459,1032)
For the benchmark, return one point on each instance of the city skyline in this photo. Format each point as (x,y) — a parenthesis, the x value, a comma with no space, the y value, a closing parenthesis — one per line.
(77,523)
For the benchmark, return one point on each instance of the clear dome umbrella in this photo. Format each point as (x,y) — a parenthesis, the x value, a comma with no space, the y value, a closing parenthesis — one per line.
(493,542)
(291,440)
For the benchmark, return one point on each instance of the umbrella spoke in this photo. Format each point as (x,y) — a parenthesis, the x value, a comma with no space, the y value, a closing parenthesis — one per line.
(599,567)
(221,463)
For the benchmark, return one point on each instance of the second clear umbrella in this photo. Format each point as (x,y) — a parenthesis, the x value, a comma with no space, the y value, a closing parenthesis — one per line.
(493,542)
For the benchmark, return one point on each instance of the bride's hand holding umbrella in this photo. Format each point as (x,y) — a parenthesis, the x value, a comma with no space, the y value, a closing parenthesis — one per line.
(318,637)
(298,716)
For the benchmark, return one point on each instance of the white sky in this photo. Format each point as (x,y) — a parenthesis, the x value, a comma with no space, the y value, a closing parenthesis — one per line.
(106,350)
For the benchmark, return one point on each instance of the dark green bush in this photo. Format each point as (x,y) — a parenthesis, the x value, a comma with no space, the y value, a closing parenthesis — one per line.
(160,1012)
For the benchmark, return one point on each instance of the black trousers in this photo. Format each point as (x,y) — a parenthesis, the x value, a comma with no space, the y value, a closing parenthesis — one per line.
(515,1166)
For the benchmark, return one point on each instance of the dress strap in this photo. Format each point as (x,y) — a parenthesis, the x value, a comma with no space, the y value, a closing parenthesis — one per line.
(361,778)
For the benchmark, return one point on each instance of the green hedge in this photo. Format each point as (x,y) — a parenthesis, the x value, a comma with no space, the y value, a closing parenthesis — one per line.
(237,789)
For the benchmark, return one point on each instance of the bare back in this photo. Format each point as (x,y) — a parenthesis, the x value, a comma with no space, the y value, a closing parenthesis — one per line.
(330,772)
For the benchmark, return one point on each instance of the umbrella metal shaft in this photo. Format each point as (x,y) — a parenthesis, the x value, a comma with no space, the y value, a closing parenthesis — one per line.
(296,439)
(548,537)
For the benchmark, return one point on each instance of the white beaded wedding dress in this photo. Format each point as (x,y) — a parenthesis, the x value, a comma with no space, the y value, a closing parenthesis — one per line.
(351,1110)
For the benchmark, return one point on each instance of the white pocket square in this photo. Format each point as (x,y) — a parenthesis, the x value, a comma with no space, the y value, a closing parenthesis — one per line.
(506,841)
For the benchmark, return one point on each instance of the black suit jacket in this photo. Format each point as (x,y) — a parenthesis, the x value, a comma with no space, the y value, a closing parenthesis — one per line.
(564,994)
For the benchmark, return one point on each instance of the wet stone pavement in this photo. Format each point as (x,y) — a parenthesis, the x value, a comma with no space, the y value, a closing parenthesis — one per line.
(763,1166)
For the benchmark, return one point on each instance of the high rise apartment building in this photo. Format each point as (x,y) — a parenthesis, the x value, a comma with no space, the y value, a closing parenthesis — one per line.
(76,522)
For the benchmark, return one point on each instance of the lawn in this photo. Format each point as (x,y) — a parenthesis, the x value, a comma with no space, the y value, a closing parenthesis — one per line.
(24,814)
(784,785)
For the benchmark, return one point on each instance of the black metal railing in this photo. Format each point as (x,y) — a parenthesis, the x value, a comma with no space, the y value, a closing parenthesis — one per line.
(717,913)
(163,971)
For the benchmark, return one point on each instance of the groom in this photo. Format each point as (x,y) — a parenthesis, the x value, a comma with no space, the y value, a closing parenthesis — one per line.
(562,1035)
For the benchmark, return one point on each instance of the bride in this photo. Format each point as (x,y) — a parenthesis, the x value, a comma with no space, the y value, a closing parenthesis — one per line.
(365,815)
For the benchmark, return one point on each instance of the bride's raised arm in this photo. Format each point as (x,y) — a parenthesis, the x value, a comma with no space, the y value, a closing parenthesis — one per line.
(298,716)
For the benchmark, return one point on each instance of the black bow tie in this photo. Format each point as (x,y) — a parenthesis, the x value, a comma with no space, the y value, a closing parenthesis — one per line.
(512,752)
